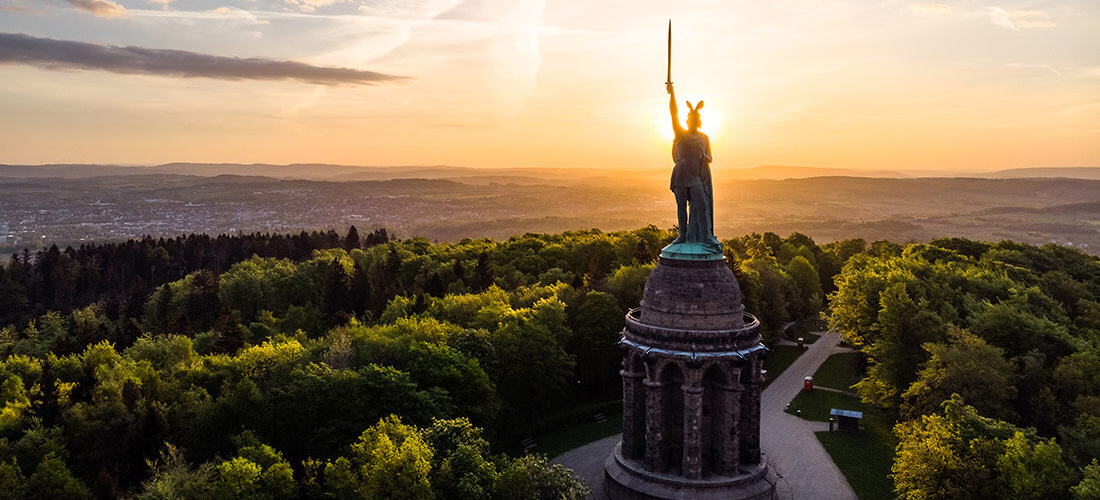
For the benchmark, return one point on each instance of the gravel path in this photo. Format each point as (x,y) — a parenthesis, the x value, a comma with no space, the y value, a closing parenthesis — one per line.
(807,471)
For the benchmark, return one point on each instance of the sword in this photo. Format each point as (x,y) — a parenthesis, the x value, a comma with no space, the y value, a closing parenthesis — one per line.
(668,77)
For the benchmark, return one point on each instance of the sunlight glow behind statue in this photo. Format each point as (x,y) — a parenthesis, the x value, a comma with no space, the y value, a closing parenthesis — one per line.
(691,181)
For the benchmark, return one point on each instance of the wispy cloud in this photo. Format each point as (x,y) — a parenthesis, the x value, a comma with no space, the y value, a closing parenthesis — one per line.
(1046,67)
(999,17)
(242,16)
(100,8)
(19,9)
(63,54)
(1031,19)
(310,5)
(1017,19)
(930,9)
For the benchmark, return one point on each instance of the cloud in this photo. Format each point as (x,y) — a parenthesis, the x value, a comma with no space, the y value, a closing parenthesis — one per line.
(241,16)
(19,9)
(1017,19)
(999,17)
(1046,67)
(100,8)
(63,54)
(1031,19)
(929,9)
(1023,23)
(310,5)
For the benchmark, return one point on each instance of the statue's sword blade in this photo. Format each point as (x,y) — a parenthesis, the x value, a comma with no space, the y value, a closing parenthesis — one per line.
(668,76)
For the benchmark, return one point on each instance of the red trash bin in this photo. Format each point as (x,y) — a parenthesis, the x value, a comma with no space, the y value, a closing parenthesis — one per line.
(808,384)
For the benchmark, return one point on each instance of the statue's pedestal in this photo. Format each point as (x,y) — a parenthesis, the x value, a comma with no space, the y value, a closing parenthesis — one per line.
(692,361)
(628,480)
(690,251)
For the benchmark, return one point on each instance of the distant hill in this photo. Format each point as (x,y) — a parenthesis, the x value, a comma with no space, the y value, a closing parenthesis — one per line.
(328,172)
(79,171)
(564,176)
(778,172)
(1092,173)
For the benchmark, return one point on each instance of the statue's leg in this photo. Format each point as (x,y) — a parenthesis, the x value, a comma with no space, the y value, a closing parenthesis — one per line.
(706,223)
(705,229)
(710,212)
(681,214)
(698,215)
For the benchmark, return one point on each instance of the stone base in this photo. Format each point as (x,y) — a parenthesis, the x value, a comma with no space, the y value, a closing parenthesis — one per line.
(628,480)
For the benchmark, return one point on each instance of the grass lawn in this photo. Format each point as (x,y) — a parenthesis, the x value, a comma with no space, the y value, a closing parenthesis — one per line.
(865,457)
(815,405)
(805,327)
(557,442)
(780,357)
(807,338)
(839,371)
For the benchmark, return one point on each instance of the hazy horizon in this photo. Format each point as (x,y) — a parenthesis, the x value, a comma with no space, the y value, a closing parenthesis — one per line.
(336,171)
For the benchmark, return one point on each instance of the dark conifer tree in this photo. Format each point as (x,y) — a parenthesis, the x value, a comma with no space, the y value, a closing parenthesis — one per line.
(136,297)
(359,291)
(460,271)
(230,335)
(642,253)
(163,306)
(337,298)
(434,287)
(202,303)
(483,273)
(351,241)
(45,403)
(378,237)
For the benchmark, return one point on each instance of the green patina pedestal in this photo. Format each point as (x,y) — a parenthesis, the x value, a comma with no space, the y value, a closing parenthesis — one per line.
(692,251)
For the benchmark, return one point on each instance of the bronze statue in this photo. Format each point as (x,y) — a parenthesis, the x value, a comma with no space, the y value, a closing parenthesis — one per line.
(691,182)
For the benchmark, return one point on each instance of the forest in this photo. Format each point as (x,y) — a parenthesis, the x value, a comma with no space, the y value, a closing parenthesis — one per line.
(332,365)
(325,365)
(988,356)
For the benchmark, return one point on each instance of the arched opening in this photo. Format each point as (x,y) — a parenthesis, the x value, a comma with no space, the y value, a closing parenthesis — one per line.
(672,417)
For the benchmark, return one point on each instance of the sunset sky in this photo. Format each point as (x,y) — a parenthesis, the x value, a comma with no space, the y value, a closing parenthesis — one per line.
(857,84)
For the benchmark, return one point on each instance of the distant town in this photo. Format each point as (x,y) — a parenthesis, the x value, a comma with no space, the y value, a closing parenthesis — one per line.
(450,203)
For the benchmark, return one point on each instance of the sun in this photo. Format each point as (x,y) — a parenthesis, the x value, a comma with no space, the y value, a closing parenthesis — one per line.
(712,122)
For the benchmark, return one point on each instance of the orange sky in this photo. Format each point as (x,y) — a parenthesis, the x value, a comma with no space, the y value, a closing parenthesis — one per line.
(857,84)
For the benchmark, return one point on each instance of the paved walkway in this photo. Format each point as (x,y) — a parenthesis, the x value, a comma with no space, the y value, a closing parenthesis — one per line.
(807,471)
(587,462)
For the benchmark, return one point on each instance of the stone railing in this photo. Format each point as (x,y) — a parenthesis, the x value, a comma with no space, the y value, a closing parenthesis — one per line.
(693,340)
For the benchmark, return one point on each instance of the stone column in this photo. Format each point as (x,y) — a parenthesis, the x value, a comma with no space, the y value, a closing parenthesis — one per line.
(693,436)
(634,414)
(750,415)
(730,440)
(654,435)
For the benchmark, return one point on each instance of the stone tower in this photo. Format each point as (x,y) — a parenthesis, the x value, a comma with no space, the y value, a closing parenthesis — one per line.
(691,389)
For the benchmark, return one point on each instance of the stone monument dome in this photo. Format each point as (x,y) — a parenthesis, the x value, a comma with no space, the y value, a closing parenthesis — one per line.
(702,295)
